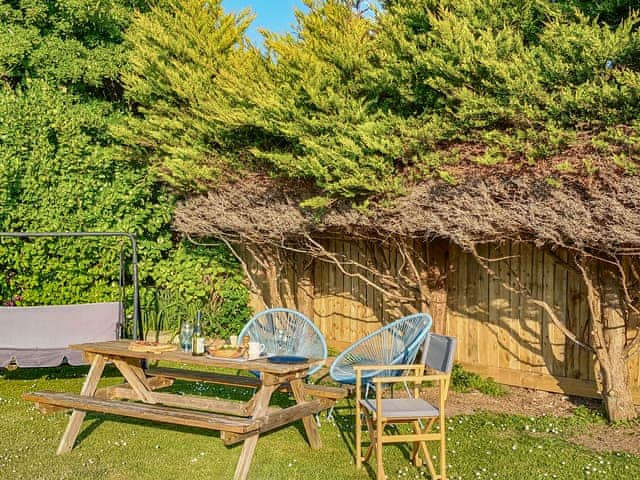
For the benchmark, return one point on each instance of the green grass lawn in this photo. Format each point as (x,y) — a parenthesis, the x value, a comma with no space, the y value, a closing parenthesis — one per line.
(480,446)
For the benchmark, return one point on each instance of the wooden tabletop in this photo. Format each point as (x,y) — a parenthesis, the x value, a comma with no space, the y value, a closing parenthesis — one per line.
(121,348)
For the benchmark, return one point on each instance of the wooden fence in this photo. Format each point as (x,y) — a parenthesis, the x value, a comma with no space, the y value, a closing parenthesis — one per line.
(501,334)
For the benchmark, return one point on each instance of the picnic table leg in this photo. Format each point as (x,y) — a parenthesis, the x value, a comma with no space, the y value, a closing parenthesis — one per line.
(77,416)
(134,375)
(260,405)
(310,427)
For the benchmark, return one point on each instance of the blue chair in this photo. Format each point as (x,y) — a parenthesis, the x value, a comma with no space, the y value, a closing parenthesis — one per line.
(394,344)
(286,332)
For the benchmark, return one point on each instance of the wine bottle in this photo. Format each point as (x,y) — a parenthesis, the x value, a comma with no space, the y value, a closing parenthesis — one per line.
(198,336)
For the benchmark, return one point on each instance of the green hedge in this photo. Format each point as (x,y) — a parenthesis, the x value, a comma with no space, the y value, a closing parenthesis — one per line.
(62,170)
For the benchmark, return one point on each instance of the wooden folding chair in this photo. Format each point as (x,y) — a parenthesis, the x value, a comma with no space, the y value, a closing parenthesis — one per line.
(438,355)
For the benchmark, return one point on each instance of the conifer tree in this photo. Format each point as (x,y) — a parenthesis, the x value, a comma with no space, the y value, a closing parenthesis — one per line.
(178,49)
(310,102)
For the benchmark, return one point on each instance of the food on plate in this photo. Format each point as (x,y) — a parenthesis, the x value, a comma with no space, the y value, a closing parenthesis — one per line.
(156,347)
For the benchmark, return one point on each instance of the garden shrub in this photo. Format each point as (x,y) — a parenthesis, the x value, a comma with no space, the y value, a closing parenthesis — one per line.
(464,381)
(62,170)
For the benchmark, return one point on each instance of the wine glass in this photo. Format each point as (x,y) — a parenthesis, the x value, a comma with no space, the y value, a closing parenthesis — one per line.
(281,341)
(186,336)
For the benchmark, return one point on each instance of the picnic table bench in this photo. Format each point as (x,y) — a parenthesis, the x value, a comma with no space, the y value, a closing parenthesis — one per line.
(236,421)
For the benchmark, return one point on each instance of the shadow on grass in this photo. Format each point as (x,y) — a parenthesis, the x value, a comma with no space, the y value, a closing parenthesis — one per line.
(226,392)
(346,426)
(94,420)
(54,373)
(97,419)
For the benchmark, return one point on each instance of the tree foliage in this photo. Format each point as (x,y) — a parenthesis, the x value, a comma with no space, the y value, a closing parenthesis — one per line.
(62,170)
(362,105)
(177,51)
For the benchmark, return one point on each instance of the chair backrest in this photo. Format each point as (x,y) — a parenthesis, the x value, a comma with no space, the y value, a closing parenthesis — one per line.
(286,332)
(439,352)
(394,344)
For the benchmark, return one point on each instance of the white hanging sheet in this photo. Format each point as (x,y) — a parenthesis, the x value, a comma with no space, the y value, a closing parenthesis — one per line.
(40,336)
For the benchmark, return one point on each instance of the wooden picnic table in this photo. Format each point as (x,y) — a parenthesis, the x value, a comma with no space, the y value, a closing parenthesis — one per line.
(237,421)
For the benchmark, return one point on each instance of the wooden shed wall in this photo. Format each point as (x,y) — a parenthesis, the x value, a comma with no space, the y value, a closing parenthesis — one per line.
(500,333)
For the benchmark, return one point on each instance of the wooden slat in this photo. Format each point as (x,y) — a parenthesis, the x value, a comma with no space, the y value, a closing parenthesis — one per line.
(514,335)
(118,348)
(279,417)
(320,295)
(156,413)
(500,300)
(114,391)
(545,382)
(484,332)
(349,318)
(463,317)
(360,295)
(194,402)
(335,304)
(558,339)
(472,310)
(205,377)
(324,391)
(529,324)
(574,324)
(537,322)
(547,325)
(452,298)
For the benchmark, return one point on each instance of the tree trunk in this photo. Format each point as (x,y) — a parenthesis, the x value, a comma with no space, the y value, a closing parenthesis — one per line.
(609,339)
(304,290)
(437,268)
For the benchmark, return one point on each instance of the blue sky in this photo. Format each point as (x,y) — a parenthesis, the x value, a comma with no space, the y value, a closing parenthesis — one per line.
(274,15)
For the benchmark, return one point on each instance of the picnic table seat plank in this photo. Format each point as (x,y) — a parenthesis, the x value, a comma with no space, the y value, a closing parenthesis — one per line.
(116,391)
(158,413)
(194,402)
(313,390)
(278,417)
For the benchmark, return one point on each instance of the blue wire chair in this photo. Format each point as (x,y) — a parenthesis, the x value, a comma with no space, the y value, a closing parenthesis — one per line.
(394,344)
(286,332)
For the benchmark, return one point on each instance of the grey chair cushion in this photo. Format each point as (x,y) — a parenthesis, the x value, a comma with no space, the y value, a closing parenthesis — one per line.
(402,407)
(439,352)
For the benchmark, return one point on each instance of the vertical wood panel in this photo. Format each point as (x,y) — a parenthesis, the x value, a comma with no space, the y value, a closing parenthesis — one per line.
(506,342)
(536,313)
(473,313)
(560,306)
(529,313)
(547,325)
(575,323)
(334,305)
(482,317)
(453,306)
(462,317)
(514,336)
(496,303)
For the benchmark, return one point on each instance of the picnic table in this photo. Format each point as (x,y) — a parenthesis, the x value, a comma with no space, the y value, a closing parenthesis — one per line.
(236,421)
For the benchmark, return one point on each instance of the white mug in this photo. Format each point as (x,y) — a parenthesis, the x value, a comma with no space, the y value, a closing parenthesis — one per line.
(256,349)
(233,340)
